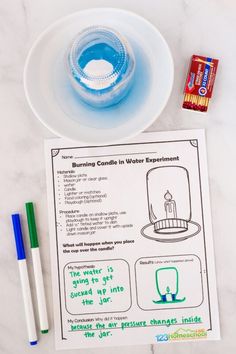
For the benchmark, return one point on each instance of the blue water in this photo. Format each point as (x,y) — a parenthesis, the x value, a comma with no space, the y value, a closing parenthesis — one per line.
(98,52)
(103,51)
(110,117)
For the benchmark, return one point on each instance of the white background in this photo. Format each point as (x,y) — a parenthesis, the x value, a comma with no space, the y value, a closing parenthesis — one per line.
(190,27)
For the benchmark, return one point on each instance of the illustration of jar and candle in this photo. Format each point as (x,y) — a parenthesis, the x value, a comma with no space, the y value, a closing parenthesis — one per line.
(169,205)
(167,285)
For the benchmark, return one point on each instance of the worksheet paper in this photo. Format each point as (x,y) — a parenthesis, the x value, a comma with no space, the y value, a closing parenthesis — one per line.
(131,241)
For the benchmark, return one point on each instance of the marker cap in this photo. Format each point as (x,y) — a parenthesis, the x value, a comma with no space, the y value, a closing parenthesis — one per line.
(18,236)
(32,225)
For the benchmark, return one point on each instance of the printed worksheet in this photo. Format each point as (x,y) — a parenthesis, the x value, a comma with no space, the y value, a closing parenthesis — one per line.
(131,241)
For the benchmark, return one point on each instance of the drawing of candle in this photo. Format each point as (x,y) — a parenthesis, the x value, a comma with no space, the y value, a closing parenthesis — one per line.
(167,285)
(170,206)
(169,295)
(168,191)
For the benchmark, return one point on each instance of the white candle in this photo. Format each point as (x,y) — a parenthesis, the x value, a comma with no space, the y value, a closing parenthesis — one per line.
(168,297)
(170,206)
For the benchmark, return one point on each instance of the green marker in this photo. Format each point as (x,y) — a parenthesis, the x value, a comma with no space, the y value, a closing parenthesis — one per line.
(38,274)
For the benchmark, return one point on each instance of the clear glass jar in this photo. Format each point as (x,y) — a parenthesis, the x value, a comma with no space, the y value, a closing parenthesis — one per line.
(101,65)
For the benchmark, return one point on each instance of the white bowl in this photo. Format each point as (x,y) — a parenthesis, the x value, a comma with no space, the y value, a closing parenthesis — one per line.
(58,107)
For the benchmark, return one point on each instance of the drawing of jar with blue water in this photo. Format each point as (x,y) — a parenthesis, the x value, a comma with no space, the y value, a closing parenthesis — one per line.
(167,285)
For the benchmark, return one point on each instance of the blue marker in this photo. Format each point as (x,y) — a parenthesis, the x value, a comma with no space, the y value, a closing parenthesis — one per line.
(29,312)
